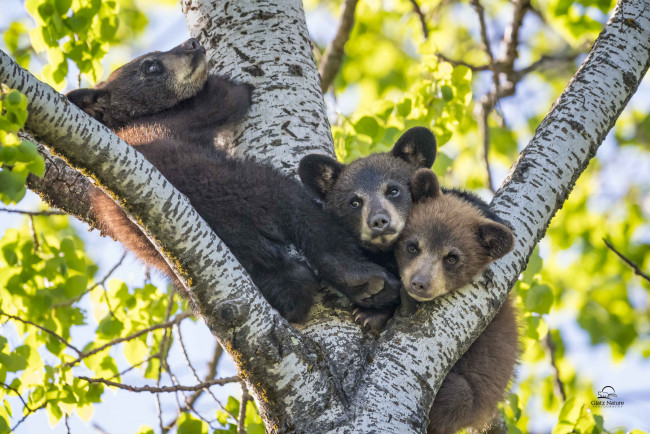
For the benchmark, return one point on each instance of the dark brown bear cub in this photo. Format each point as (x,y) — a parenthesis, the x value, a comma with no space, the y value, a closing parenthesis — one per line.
(449,238)
(166,106)
(370,197)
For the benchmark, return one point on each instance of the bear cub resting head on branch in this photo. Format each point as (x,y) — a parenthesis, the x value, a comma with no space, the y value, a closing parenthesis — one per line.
(166,106)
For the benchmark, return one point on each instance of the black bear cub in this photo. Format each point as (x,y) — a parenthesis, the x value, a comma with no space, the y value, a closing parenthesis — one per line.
(166,106)
(450,237)
(370,197)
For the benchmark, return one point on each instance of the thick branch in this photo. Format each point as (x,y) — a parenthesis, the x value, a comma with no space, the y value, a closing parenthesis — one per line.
(333,57)
(62,186)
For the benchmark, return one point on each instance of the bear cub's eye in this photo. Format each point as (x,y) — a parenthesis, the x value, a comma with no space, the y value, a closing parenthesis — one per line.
(412,248)
(152,67)
(451,259)
(393,192)
(355,202)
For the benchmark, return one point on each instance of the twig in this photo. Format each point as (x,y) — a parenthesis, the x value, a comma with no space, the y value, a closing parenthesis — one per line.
(480,11)
(423,20)
(212,372)
(32,227)
(542,63)
(333,55)
(178,318)
(31,213)
(486,104)
(484,113)
(241,420)
(510,40)
(558,385)
(632,265)
(132,367)
(8,387)
(66,343)
(30,411)
(162,356)
(162,389)
(452,62)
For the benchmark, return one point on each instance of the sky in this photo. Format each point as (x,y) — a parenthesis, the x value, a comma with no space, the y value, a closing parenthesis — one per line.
(167,28)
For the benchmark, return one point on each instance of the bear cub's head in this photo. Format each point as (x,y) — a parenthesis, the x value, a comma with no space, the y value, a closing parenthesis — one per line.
(370,197)
(149,84)
(447,240)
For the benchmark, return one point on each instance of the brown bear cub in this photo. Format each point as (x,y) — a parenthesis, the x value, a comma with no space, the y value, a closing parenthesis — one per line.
(166,106)
(450,237)
(370,197)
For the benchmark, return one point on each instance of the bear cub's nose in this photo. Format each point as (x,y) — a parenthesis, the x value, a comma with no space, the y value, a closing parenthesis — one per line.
(419,284)
(192,44)
(379,222)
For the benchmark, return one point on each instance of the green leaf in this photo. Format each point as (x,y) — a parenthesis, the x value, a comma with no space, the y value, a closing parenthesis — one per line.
(62,6)
(539,298)
(189,425)
(367,125)
(447,93)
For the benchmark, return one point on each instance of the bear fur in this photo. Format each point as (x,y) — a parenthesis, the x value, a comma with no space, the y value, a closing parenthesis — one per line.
(166,106)
(371,198)
(450,237)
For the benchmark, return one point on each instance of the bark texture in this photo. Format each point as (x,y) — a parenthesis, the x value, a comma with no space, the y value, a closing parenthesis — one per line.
(266,43)
(327,376)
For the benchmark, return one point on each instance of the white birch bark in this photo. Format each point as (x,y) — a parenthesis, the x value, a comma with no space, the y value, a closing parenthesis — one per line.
(314,380)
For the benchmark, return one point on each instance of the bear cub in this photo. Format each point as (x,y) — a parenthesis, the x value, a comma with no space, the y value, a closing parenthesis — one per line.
(450,237)
(166,106)
(370,197)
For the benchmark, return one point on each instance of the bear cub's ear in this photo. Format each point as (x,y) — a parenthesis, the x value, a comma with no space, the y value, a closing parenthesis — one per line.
(417,146)
(319,173)
(93,101)
(496,238)
(424,185)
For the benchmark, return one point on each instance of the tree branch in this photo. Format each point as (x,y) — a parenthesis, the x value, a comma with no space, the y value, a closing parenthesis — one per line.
(423,20)
(241,420)
(333,57)
(177,319)
(46,330)
(453,62)
(510,40)
(31,213)
(549,347)
(163,389)
(632,265)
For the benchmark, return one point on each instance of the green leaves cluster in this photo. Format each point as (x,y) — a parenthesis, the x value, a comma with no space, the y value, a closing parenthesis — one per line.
(80,31)
(18,158)
(37,284)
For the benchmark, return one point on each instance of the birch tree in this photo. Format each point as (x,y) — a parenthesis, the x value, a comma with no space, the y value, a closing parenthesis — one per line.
(328,375)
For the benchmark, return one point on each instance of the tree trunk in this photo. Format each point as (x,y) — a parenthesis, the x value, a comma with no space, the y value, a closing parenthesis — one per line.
(326,376)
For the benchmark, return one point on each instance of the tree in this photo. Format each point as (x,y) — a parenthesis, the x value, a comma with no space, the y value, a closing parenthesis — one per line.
(326,375)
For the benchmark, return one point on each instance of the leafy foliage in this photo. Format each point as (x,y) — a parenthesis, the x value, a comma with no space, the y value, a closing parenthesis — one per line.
(18,158)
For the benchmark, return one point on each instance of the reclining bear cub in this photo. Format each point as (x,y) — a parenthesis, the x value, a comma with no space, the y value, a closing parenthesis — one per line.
(167,106)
